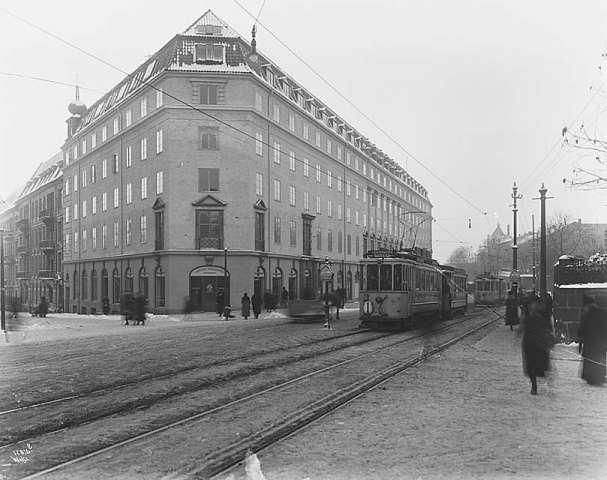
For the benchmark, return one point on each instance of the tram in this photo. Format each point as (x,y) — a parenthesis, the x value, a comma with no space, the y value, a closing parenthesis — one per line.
(489,290)
(407,287)
(575,277)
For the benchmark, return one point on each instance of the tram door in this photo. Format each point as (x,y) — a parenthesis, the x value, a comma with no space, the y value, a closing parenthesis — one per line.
(445,295)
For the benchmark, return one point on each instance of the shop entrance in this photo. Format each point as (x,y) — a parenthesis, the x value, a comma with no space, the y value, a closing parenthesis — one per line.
(205,283)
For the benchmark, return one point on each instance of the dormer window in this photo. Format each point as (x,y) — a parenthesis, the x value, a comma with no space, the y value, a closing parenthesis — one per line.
(208,29)
(208,53)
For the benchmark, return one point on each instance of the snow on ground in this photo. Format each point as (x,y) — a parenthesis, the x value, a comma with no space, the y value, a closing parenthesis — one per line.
(466,414)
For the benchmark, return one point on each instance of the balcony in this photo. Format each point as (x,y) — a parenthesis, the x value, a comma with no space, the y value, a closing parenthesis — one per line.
(46,274)
(22,224)
(47,215)
(47,245)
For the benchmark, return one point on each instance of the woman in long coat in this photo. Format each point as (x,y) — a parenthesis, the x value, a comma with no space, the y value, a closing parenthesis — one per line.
(511,310)
(245,306)
(256,302)
(593,337)
(536,344)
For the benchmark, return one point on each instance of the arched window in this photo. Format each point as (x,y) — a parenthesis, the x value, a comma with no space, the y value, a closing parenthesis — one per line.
(159,287)
(94,284)
(128,281)
(349,244)
(292,284)
(84,284)
(340,241)
(143,282)
(277,281)
(115,286)
(75,285)
(104,284)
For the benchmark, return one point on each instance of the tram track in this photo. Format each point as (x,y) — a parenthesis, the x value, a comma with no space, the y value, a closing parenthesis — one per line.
(260,391)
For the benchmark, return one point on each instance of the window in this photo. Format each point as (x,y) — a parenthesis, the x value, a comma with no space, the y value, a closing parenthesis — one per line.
(259,144)
(292,161)
(356,191)
(75,241)
(159,230)
(143,106)
(94,205)
(208,94)
(83,146)
(67,214)
(356,217)
(318,239)
(348,188)
(277,190)
(94,237)
(306,168)
(329,179)
(143,283)
(116,125)
(208,179)
(116,234)
(339,153)
(84,209)
(159,146)
(307,236)
(209,53)
(129,193)
(104,201)
(104,168)
(306,131)
(75,211)
(318,204)
(357,246)
(292,233)
(330,241)
(115,163)
(93,140)
(128,117)
(276,152)
(83,178)
(103,235)
(339,242)
(104,133)
(291,122)
(277,230)
(209,229)
(276,113)
(159,183)
(329,208)
(317,138)
(159,98)
(115,286)
(317,173)
(67,187)
(116,197)
(93,174)
(348,215)
(329,146)
(306,201)
(208,139)
(339,209)
(75,183)
(292,195)
(129,233)
(259,184)
(259,232)
(144,188)
(129,156)
(159,287)
(144,148)
(339,184)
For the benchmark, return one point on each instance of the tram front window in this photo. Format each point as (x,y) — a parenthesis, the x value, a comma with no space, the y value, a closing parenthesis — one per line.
(372,277)
(398,277)
(386,277)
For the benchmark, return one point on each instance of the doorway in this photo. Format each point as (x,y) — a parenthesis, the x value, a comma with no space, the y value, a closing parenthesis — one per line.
(205,283)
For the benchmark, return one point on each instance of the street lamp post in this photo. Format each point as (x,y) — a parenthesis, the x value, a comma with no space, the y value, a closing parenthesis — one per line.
(2,297)
(226,294)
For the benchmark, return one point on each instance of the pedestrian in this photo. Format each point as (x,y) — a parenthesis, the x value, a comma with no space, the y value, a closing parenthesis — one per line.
(219,302)
(536,344)
(267,300)
(245,306)
(256,302)
(284,297)
(43,307)
(188,308)
(139,304)
(512,317)
(593,340)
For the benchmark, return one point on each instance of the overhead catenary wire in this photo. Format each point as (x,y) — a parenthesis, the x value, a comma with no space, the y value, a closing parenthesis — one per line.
(359,110)
(47,80)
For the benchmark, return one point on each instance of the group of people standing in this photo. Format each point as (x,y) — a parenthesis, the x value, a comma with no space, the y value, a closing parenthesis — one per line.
(538,338)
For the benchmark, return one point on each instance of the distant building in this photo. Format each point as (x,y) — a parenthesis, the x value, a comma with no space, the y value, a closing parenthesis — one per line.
(158,183)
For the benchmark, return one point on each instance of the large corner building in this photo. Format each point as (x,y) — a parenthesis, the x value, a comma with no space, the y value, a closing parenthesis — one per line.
(207,155)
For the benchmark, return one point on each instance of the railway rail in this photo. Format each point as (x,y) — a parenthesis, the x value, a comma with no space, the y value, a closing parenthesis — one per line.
(260,391)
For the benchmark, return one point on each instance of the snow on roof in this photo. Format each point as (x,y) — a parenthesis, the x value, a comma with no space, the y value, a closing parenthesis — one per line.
(585,285)
(45,173)
(209,24)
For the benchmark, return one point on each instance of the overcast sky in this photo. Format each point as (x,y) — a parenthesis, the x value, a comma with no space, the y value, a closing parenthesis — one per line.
(477,90)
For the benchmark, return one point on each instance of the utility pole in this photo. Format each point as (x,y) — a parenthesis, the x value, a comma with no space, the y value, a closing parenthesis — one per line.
(533,249)
(542,199)
(514,274)
(2,297)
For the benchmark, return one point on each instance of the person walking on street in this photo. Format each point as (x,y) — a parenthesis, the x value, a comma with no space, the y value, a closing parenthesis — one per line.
(536,344)
(42,307)
(512,317)
(284,297)
(245,306)
(187,308)
(256,302)
(593,340)
(219,302)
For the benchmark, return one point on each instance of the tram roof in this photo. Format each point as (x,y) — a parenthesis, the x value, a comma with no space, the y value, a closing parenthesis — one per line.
(415,255)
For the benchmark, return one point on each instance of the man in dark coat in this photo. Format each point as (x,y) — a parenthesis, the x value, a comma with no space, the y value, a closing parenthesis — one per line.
(512,317)
(219,302)
(245,306)
(43,307)
(536,344)
(256,302)
(593,338)
(284,297)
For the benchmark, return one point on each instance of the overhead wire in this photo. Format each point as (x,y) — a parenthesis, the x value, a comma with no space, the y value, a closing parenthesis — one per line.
(47,80)
(360,111)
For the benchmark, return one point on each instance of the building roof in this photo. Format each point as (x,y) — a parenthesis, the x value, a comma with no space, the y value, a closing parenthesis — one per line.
(47,172)
(180,55)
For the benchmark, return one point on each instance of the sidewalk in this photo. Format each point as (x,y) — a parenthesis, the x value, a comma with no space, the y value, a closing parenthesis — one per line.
(55,326)
(466,414)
